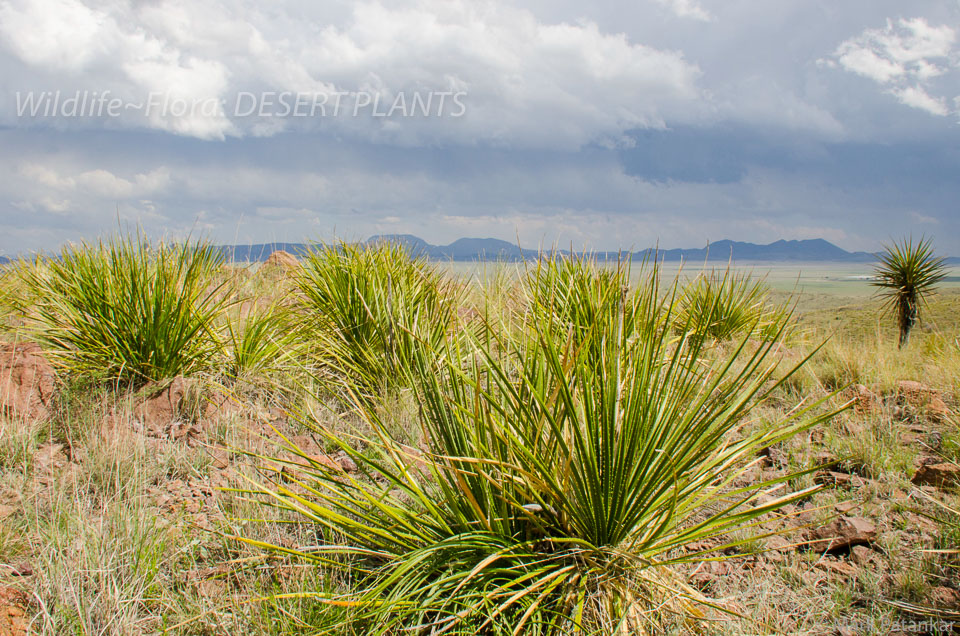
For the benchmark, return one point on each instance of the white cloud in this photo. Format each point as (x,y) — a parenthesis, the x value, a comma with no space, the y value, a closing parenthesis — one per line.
(526,82)
(904,57)
(56,34)
(687,9)
(97,183)
(917,97)
(917,217)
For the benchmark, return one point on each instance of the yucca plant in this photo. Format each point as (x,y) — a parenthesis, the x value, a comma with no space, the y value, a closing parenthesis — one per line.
(369,307)
(907,274)
(565,474)
(129,310)
(728,304)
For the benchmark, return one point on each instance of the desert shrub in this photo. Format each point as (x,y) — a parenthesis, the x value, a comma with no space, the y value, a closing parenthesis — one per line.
(128,309)
(721,306)
(563,473)
(370,308)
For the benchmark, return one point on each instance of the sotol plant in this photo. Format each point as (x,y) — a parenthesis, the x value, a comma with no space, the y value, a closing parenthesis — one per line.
(563,475)
(729,304)
(126,309)
(907,273)
(370,307)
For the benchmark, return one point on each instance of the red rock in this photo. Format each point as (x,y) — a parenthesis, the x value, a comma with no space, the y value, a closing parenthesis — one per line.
(282,260)
(220,406)
(840,480)
(945,598)
(306,444)
(865,401)
(347,463)
(939,475)
(22,569)
(841,568)
(13,615)
(161,413)
(50,456)
(27,381)
(920,396)
(862,555)
(220,458)
(937,409)
(842,534)
(327,462)
(915,393)
(708,571)
(844,507)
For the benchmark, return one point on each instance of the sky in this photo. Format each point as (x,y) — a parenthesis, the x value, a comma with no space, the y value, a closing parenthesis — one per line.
(605,124)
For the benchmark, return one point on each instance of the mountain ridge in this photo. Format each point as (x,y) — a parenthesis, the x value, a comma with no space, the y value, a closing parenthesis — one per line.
(490,249)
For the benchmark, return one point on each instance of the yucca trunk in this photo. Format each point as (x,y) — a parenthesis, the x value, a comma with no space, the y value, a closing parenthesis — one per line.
(906,317)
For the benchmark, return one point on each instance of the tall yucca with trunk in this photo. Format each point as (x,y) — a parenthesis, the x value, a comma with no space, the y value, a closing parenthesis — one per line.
(907,273)
(566,470)
(130,310)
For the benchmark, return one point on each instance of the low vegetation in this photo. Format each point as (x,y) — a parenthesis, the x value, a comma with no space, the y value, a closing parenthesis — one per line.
(367,443)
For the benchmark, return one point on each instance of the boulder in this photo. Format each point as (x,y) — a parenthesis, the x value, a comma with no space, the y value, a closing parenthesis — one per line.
(161,413)
(282,260)
(842,534)
(27,381)
(939,475)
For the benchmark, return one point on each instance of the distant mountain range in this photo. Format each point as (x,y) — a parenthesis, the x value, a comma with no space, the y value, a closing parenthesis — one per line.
(476,249)
(489,249)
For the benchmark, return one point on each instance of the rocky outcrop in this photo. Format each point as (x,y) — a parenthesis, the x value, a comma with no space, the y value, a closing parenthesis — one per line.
(161,413)
(27,381)
(282,260)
